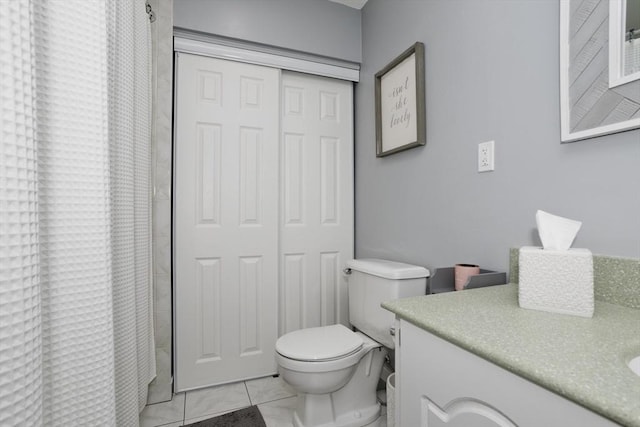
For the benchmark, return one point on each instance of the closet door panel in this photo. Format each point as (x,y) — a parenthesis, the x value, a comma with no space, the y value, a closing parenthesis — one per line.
(316,226)
(225,220)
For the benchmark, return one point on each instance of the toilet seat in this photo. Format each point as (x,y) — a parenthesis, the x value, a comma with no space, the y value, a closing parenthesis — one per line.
(327,365)
(320,344)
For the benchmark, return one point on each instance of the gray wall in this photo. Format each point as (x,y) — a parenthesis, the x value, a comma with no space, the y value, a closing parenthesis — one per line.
(317,26)
(491,74)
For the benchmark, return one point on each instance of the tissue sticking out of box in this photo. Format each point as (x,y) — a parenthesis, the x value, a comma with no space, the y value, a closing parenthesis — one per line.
(556,233)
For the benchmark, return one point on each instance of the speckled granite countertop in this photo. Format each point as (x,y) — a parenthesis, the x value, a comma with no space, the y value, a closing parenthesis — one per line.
(584,360)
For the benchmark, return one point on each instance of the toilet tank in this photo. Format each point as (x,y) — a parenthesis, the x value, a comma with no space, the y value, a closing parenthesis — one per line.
(374,281)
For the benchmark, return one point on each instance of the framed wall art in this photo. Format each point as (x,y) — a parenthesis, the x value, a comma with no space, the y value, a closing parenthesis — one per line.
(400,103)
(599,69)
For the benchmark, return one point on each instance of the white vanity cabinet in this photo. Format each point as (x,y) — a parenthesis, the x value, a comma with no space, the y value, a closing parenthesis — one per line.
(441,384)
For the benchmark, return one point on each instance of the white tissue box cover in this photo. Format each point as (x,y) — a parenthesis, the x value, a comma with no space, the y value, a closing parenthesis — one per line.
(556,281)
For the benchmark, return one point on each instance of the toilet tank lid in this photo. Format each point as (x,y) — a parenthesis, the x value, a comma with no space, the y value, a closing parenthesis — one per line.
(387,269)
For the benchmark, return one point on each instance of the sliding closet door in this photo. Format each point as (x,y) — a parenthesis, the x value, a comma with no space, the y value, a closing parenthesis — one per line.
(316,229)
(225,220)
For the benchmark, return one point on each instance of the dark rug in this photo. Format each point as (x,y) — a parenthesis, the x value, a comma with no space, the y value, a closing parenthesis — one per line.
(247,417)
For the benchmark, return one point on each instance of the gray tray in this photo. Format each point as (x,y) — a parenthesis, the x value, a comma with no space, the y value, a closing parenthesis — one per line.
(442,280)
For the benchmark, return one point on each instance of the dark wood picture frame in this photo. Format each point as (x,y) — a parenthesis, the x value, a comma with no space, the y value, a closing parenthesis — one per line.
(400,103)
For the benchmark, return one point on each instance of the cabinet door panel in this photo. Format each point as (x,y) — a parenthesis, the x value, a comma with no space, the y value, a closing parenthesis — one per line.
(431,369)
(462,413)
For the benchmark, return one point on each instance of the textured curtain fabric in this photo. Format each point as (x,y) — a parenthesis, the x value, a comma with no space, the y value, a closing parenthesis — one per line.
(21,342)
(75,309)
(130,152)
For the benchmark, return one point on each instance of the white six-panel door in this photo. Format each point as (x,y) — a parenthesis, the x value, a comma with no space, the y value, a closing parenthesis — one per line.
(263,213)
(316,230)
(225,220)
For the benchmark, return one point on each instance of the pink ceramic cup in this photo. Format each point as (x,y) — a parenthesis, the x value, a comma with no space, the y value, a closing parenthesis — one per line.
(462,273)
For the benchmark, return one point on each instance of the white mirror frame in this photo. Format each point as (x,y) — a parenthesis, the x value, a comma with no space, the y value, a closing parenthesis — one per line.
(565,103)
(617,19)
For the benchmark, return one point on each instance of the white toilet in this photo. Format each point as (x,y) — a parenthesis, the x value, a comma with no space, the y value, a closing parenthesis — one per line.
(334,370)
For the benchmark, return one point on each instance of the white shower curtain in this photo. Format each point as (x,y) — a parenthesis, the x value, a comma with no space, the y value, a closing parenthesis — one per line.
(76,341)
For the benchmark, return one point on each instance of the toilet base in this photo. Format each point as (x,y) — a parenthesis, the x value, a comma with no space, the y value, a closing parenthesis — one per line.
(354,405)
(349,423)
(363,417)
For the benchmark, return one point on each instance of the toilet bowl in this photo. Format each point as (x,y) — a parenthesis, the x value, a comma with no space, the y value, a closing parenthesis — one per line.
(321,360)
(335,370)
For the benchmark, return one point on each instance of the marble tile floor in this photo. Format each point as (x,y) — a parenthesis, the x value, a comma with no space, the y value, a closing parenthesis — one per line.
(275,399)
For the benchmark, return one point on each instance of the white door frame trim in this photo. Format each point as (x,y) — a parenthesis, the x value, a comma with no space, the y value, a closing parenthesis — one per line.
(213,48)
